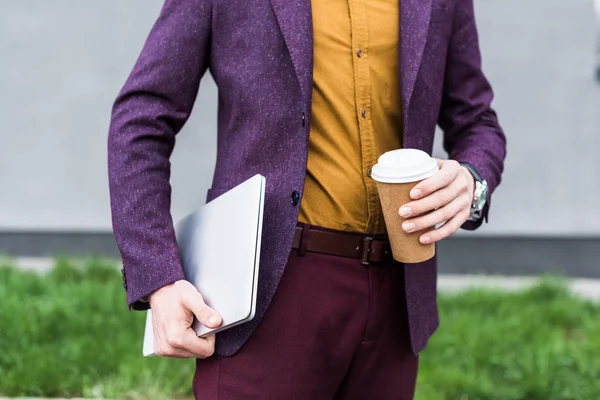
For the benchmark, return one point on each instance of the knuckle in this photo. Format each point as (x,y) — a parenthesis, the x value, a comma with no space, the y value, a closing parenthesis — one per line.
(446,174)
(436,235)
(200,308)
(199,296)
(445,231)
(210,351)
(189,296)
(447,214)
(174,339)
(174,342)
(418,225)
(207,351)
(200,303)
(204,313)
(416,210)
(443,197)
(164,351)
(181,287)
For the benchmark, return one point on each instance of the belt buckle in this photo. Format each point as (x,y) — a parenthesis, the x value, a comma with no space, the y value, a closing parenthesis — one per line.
(366,250)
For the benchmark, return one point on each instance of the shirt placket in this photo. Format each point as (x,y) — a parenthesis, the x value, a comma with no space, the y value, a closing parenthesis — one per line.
(362,83)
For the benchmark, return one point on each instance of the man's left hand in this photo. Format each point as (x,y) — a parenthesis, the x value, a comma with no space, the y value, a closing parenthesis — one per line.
(449,192)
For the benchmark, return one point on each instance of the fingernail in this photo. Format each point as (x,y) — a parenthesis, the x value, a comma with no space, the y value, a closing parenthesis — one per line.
(415,193)
(408,226)
(405,211)
(212,321)
(425,239)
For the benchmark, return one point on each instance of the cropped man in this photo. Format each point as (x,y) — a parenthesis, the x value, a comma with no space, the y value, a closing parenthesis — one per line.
(310,94)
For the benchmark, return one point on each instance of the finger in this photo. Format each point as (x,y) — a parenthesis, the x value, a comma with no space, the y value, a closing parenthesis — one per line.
(199,347)
(447,229)
(206,315)
(438,216)
(165,350)
(186,344)
(435,200)
(442,178)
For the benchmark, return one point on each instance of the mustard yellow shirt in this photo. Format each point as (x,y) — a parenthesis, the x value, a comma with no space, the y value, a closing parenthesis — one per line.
(356,111)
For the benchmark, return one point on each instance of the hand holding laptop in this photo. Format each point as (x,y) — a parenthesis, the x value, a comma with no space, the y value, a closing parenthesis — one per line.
(174,307)
(219,274)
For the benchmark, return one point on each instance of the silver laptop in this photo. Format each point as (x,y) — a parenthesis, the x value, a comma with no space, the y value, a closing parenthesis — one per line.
(219,247)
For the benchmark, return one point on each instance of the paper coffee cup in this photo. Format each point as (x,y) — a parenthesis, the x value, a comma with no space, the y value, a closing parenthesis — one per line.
(396,173)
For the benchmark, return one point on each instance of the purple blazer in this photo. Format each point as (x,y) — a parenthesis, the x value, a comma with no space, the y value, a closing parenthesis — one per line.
(260,54)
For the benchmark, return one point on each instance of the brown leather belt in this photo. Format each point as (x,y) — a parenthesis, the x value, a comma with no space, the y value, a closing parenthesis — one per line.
(368,248)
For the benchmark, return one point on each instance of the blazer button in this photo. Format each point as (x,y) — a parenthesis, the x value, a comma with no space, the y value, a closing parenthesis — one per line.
(295,198)
(303,119)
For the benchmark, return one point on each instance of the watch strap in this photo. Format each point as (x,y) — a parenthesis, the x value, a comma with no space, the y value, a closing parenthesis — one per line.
(473,171)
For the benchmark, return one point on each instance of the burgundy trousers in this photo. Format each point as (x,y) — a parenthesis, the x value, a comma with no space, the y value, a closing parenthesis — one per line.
(336,329)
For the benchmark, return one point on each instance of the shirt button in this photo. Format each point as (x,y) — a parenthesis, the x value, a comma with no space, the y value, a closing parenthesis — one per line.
(363,113)
(295,198)
(359,52)
(303,119)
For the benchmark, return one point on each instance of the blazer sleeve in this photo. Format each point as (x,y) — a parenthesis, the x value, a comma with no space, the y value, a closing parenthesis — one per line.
(472,133)
(149,111)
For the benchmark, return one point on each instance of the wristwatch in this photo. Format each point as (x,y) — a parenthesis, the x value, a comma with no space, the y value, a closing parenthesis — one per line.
(480,195)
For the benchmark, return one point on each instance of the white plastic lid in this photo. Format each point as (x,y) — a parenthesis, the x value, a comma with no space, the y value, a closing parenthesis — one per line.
(403,166)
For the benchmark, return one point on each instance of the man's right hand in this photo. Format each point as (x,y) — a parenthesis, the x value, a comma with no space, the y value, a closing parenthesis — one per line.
(173,309)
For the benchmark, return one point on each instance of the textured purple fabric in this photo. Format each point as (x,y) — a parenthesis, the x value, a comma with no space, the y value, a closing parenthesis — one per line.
(260,55)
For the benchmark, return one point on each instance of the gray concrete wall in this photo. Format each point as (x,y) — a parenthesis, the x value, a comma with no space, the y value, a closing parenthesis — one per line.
(62,63)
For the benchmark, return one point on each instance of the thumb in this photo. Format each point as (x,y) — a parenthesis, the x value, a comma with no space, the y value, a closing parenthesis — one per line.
(206,315)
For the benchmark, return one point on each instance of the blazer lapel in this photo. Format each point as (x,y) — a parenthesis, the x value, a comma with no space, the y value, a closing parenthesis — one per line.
(295,21)
(414,26)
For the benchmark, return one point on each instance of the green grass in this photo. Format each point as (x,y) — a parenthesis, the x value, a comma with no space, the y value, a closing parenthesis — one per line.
(69,333)
(540,344)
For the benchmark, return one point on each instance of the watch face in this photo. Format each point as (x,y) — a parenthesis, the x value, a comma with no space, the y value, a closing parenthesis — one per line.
(481,190)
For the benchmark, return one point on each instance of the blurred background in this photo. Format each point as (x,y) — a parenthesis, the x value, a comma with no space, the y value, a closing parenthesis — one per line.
(63,62)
